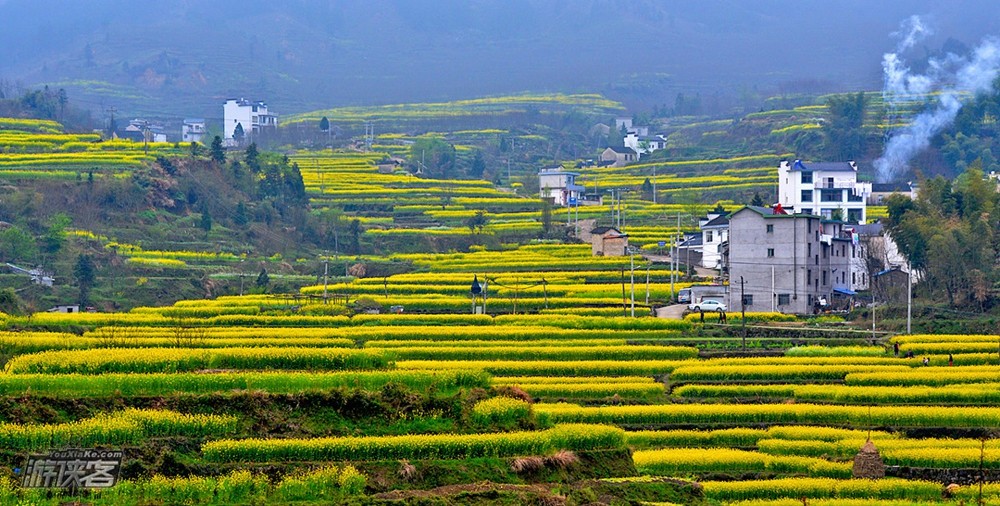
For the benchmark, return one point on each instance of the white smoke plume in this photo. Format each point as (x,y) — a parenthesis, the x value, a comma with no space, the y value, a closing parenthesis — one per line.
(949,78)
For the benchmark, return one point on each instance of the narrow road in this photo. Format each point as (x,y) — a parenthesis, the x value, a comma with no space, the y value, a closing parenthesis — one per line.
(675,311)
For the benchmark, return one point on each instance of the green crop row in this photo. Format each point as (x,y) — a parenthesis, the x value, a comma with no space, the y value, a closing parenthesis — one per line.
(132,426)
(744,437)
(776,414)
(576,390)
(99,361)
(971,394)
(158,384)
(527,352)
(726,460)
(869,490)
(576,437)
(774,373)
(548,367)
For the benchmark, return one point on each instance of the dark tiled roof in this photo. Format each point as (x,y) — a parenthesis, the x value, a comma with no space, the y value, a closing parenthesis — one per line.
(622,150)
(890,187)
(823,166)
(604,230)
(718,221)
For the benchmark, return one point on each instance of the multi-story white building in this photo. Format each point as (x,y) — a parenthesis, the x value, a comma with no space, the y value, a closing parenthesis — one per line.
(826,189)
(560,186)
(714,235)
(193,130)
(252,117)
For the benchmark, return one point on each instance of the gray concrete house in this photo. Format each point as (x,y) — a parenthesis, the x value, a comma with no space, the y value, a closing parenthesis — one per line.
(790,263)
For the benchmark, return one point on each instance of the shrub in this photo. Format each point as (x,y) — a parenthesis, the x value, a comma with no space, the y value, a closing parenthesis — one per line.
(500,411)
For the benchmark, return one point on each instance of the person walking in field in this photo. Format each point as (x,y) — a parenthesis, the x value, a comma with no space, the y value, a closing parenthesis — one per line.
(951,360)
(895,348)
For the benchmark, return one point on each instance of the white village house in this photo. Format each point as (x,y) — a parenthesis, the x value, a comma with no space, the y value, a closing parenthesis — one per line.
(825,189)
(253,119)
(193,130)
(559,186)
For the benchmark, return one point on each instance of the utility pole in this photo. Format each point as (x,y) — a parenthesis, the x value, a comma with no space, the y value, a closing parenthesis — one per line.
(631,264)
(909,295)
(326,272)
(743,307)
(873,313)
(647,283)
(624,299)
(111,125)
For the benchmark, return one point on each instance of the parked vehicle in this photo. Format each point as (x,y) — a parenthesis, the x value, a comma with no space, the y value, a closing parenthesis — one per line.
(707,305)
(684,296)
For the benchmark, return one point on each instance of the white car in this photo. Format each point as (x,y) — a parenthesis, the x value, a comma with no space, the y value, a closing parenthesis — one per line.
(707,305)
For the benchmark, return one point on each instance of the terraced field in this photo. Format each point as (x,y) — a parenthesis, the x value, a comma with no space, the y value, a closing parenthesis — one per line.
(544,399)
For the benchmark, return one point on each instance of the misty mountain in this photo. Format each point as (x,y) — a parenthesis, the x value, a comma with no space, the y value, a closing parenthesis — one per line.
(182,57)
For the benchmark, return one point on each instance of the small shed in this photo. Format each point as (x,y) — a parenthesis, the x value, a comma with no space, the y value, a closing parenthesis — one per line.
(65,308)
(608,242)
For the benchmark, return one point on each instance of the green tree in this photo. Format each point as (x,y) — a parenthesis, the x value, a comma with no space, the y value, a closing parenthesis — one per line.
(86,277)
(324,124)
(218,153)
(844,130)
(354,230)
(55,234)
(239,134)
(950,234)
(252,158)
(478,165)
(206,219)
(11,303)
(263,279)
(195,149)
(477,221)
(434,156)
(757,200)
(16,245)
(647,189)
(240,217)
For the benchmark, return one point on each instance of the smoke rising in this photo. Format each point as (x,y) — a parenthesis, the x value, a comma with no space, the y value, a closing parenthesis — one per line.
(949,78)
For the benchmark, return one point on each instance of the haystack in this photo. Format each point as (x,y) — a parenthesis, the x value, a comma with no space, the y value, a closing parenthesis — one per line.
(868,463)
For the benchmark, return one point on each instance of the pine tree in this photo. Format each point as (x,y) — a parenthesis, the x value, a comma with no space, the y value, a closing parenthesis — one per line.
(218,153)
(85,274)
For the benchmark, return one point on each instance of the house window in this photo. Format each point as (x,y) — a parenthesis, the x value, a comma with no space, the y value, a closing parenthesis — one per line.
(770,252)
(829,182)
(854,215)
(807,210)
(770,228)
(807,195)
(851,197)
(748,300)
(809,248)
(824,277)
(831,195)
(809,275)
(708,236)
(807,177)
(784,299)
(854,278)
